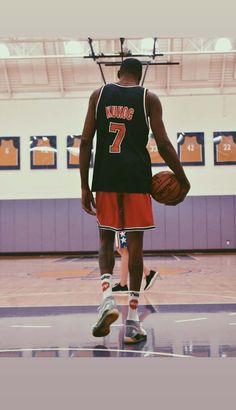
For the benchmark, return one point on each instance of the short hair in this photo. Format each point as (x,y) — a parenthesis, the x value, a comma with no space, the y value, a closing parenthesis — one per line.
(131,66)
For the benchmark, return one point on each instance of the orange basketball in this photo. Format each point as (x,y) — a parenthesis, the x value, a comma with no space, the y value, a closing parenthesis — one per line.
(165,187)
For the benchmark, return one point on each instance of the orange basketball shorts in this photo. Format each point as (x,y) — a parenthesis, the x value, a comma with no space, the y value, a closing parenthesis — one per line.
(124,211)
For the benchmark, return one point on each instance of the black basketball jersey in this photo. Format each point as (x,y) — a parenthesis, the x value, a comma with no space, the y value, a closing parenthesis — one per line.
(122,162)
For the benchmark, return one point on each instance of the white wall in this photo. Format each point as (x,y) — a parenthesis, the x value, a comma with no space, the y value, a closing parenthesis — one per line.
(204,114)
(66,116)
(41,117)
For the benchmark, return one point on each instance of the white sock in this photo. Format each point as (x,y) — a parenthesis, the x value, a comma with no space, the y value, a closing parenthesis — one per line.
(106,285)
(133,306)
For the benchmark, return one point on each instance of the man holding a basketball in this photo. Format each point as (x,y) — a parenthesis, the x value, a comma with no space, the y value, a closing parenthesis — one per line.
(122,180)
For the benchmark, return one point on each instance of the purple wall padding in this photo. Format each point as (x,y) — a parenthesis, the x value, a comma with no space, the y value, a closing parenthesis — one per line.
(75,225)
(7,225)
(199,208)
(228,220)
(158,236)
(172,227)
(186,224)
(213,222)
(60,225)
(36,232)
(48,225)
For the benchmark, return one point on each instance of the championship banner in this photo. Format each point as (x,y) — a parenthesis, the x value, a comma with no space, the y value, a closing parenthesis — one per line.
(9,153)
(224,147)
(73,150)
(191,148)
(43,152)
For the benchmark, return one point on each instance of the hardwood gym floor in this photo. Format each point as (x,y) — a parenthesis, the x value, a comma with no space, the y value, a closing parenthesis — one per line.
(48,304)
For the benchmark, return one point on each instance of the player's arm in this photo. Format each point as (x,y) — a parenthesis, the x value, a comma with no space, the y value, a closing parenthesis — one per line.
(85,153)
(164,145)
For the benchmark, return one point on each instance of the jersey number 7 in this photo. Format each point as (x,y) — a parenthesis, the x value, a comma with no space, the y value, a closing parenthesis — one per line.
(119,129)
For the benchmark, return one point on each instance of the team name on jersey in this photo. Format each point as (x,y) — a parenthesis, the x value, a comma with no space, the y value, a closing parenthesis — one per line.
(119,111)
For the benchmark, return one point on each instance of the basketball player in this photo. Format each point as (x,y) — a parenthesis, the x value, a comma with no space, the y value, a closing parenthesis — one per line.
(119,113)
(149,274)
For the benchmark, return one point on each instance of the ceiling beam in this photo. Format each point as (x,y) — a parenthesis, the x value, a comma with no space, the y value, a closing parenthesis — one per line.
(223,74)
(61,56)
(6,76)
(117,63)
(94,57)
(170,42)
(59,72)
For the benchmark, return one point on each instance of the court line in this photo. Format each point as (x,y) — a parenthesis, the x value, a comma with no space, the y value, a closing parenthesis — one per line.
(190,320)
(31,326)
(66,349)
(37,294)
(15,295)
(231,324)
(232,314)
(197,294)
(123,304)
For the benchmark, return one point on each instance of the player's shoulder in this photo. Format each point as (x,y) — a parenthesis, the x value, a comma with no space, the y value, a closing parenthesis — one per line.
(152,97)
(95,94)
(93,99)
(152,102)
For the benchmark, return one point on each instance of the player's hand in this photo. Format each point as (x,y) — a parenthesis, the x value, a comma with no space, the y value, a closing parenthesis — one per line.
(185,187)
(88,202)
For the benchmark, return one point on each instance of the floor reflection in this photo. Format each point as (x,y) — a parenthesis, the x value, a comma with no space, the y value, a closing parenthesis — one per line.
(177,331)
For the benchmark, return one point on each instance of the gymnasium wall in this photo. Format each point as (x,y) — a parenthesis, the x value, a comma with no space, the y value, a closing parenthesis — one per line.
(60,225)
(40,210)
(63,117)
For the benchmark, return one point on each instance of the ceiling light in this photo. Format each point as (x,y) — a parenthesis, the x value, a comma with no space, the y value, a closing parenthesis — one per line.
(4,50)
(147,44)
(223,44)
(73,47)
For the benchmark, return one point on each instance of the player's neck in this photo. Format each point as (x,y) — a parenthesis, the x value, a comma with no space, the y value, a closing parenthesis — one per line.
(127,81)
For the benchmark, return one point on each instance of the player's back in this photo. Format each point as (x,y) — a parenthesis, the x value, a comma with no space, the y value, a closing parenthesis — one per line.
(122,162)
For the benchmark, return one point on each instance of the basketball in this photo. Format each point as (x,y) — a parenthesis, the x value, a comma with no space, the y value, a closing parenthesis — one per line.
(165,187)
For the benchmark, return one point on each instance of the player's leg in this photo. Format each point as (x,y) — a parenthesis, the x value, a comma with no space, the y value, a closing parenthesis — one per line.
(135,249)
(121,286)
(138,214)
(108,311)
(134,333)
(107,212)
(124,266)
(106,251)
(150,276)
(137,218)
